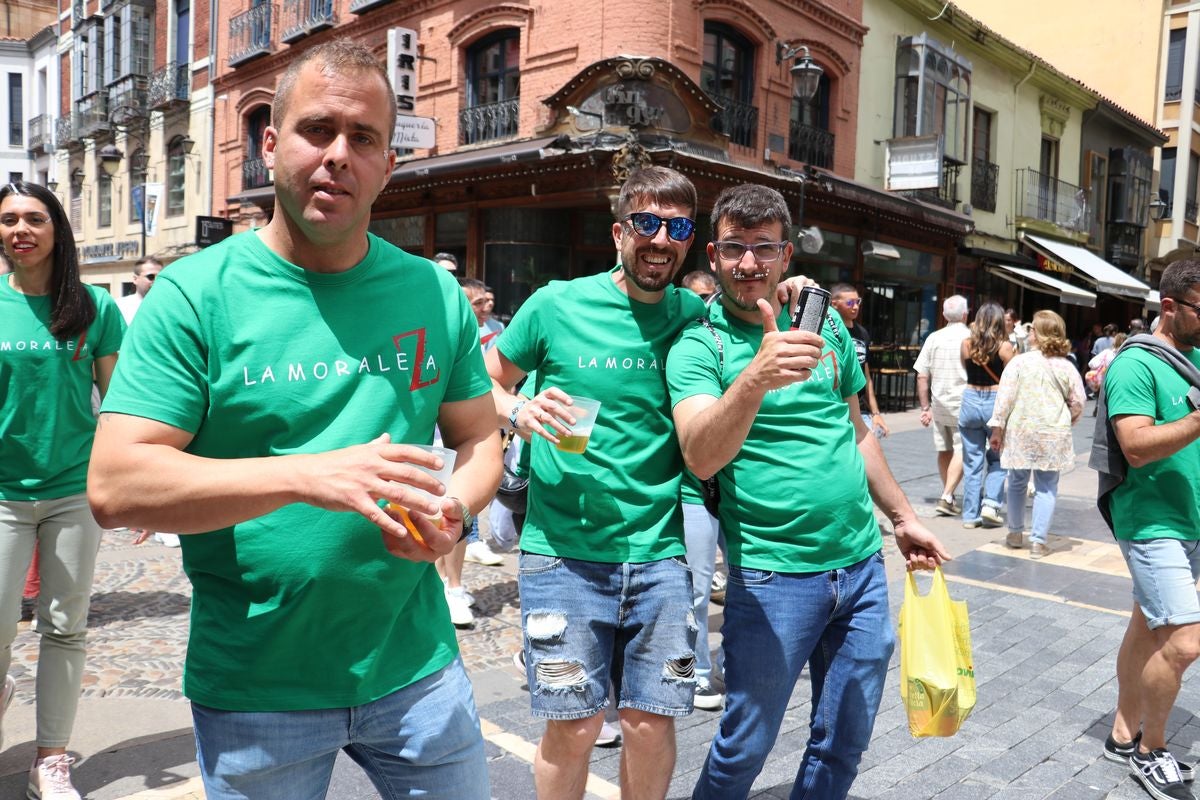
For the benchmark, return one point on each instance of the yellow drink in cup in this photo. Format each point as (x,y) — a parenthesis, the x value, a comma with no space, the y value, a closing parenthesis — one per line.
(584,410)
(448,457)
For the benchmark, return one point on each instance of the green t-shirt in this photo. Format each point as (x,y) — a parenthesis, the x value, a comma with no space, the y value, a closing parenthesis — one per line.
(1160,500)
(618,501)
(690,489)
(46,421)
(302,608)
(795,497)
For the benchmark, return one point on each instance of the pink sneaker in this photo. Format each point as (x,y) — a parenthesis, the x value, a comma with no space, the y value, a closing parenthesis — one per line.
(50,779)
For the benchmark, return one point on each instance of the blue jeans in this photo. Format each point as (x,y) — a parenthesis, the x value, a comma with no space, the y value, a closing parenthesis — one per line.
(1164,573)
(587,623)
(1045,486)
(701,532)
(982,474)
(421,741)
(838,623)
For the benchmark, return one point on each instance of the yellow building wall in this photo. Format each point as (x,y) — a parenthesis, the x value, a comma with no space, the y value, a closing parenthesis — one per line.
(1016,130)
(1110,45)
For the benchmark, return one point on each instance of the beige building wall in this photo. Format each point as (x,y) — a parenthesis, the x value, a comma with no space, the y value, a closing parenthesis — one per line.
(1110,45)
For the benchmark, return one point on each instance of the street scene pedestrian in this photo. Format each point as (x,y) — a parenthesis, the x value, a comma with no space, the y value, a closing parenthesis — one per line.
(145,271)
(941,379)
(984,354)
(318,621)
(1040,398)
(806,586)
(845,301)
(57,336)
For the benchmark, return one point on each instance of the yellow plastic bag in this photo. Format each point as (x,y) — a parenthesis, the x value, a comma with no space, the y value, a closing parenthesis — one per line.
(937,675)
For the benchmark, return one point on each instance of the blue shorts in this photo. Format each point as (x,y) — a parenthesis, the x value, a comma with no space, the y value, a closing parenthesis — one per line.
(586,623)
(1164,574)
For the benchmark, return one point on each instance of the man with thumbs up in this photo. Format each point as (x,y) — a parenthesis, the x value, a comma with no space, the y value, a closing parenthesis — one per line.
(773,413)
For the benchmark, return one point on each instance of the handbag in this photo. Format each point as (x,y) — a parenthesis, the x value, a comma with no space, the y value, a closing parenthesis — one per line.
(937,675)
(513,492)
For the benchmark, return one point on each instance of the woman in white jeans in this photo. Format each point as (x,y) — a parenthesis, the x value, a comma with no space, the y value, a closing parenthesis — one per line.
(57,336)
(1041,396)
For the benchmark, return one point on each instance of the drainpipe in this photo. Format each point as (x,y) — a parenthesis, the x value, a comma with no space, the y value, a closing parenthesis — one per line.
(213,20)
(1012,141)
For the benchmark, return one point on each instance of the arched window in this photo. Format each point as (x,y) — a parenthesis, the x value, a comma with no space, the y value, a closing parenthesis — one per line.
(727,75)
(254,169)
(176,177)
(809,139)
(493,88)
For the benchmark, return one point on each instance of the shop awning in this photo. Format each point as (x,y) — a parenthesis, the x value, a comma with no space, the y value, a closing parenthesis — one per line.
(1154,301)
(1090,267)
(530,150)
(1041,282)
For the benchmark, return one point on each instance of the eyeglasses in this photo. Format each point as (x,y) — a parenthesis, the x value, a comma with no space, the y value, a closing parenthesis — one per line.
(1192,306)
(763,251)
(853,303)
(646,224)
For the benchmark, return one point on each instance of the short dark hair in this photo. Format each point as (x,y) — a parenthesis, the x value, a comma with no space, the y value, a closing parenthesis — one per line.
(446,257)
(143,261)
(336,57)
(72,309)
(1179,277)
(841,288)
(751,205)
(699,276)
(659,185)
(473,284)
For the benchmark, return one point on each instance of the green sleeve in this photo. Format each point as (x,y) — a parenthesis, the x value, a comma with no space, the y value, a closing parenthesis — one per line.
(693,366)
(1129,387)
(108,329)
(523,342)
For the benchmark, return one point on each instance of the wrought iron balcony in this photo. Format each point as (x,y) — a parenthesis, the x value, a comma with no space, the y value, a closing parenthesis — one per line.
(1173,93)
(129,95)
(66,132)
(489,121)
(811,145)
(302,17)
(169,85)
(1046,198)
(363,6)
(739,120)
(250,34)
(41,134)
(985,179)
(255,174)
(1123,244)
(92,110)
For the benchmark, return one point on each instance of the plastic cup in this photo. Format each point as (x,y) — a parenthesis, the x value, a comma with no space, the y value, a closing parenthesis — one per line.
(448,456)
(584,410)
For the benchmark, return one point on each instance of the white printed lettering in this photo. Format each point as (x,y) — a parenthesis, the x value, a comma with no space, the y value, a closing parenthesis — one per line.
(341,368)
(320,370)
(246,377)
(296,372)
(268,375)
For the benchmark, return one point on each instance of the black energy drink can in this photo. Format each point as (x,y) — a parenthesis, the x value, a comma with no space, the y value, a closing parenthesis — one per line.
(810,312)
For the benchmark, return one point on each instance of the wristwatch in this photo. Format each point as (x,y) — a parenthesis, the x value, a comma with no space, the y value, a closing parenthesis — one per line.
(468,519)
(512,415)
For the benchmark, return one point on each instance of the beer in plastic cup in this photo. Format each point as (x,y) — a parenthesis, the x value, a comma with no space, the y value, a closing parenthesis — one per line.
(584,410)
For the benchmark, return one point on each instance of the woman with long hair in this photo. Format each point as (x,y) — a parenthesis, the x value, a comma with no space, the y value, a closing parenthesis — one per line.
(984,354)
(57,336)
(1041,396)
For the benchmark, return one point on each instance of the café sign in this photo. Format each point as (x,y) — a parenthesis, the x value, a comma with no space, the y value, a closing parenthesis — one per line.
(634,104)
(110,251)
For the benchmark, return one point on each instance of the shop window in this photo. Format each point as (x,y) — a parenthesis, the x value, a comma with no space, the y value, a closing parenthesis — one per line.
(727,75)
(176,177)
(809,139)
(933,94)
(493,88)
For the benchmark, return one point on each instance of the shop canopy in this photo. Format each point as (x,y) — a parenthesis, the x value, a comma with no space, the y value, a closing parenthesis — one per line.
(1041,282)
(1090,267)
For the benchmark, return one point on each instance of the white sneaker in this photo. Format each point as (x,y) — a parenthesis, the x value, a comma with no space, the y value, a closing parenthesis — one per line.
(167,539)
(479,553)
(50,779)
(460,608)
(6,698)
(610,735)
(991,517)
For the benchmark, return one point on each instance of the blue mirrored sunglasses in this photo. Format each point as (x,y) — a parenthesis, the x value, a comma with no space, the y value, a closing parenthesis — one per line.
(646,224)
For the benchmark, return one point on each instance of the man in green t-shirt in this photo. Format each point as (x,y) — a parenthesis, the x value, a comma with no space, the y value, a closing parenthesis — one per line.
(261,412)
(774,414)
(1156,519)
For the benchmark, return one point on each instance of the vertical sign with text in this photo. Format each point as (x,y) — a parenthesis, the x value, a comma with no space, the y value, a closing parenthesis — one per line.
(411,131)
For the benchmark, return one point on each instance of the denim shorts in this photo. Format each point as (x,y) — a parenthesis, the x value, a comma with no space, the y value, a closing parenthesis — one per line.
(1164,574)
(586,623)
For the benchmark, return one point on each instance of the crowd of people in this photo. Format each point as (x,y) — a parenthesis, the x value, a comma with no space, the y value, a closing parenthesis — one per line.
(326,558)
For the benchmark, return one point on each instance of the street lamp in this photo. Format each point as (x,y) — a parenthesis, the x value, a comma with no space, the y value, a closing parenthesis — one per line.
(806,71)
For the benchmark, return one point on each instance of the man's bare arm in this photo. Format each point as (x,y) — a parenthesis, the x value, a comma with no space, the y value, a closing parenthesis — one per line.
(1143,442)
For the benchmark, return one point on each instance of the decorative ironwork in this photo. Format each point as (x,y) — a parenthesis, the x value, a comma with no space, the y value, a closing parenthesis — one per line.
(250,34)
(302,17)
(813,146)
(92,110)
(66,132)
(739,120)
(1174,93)
(1123,244)
(489,121)
(1051,200)
(634,68)
(363,6)
(128,97)
(630,158)
(168,85)
(946,195)
(985,180)
(41,134)
(255,174)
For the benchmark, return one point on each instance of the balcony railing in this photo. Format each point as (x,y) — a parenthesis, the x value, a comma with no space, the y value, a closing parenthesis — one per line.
(1173,93)
(168,85)
(363,6)
(946,194)
(302,17)
(985,179)
(93,115)
(255,174)
(1123,244)
(66,132)
(811,145)
(129,95)
(41,134)
(1048,199)
(739,120)
(489,121)
(250,34)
